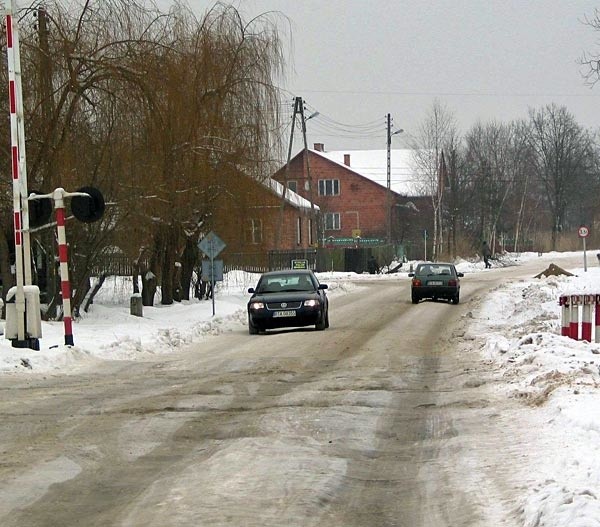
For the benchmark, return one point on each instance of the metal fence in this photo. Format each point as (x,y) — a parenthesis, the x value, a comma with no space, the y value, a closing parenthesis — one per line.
(322,259)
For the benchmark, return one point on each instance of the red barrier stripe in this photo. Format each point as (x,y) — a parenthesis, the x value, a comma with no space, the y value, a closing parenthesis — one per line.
(65,289)
(12,95)
(68,326)
(586,331)
(60,217)
(17,228)
(9,31)
(62,253)
(15,162)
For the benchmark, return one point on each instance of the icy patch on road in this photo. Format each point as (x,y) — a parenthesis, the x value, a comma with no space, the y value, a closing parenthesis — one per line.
(264,481)
(26,489)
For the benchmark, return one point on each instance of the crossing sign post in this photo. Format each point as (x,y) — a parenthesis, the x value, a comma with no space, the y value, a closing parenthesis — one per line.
(211,245)
(584,232)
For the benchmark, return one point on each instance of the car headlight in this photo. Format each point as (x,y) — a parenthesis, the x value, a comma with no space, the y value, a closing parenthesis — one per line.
(257,305)
(311,303)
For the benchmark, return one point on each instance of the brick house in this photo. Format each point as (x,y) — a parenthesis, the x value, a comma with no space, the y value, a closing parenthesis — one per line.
(254,219)
(356,207)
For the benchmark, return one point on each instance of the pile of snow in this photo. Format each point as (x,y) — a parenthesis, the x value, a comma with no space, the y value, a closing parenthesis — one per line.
(558,377)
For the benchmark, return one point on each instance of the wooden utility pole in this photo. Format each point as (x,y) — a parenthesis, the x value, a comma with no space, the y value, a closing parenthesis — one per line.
(308,176)
(388,208)
(298,112)
(285,175)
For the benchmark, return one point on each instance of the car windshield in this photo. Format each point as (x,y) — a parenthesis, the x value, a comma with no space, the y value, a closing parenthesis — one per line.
(286,282)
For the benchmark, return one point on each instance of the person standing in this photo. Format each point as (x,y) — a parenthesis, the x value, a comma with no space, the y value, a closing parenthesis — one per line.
(485,251)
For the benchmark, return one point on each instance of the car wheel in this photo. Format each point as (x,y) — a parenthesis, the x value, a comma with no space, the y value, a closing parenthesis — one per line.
(455,299)
(321,323)
(252,329)
(327,319)
(415,299)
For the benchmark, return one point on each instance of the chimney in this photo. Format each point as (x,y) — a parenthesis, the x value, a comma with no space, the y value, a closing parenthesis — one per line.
(319,147)
(347,160)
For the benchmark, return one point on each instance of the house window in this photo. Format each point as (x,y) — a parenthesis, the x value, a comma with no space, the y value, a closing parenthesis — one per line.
(293,186)
(332,221)
(254,231)
(329,187)
(299,231)
(310,232)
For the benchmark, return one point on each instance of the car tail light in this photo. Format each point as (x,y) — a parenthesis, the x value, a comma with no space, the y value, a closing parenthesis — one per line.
(416,282)
(452,283)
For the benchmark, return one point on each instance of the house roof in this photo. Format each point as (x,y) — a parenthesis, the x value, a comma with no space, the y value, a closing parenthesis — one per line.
(290,197)
(372,164)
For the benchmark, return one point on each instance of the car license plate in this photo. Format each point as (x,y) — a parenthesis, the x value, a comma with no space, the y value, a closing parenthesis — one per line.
(288,313)
(435,282)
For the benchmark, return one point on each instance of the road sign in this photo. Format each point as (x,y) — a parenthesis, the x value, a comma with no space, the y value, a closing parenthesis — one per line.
(583,232)
(299,264)
(212,270)
(211,245)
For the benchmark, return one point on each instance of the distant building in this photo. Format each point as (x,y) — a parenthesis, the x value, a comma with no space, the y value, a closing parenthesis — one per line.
(259,218)
(350,188)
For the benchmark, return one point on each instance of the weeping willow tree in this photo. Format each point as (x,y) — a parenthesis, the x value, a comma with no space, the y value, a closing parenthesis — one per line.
(213,113)
(155,109)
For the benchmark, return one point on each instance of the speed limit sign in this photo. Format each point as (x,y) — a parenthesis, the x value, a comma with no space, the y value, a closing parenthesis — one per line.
(583,231)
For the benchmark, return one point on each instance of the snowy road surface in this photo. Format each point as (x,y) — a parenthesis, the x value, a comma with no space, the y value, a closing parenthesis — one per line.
(386,419)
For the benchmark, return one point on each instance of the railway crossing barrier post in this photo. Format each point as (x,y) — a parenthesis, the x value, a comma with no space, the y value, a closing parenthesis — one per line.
(570,319)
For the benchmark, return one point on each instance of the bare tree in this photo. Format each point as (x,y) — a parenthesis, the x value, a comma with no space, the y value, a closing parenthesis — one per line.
(561,158)
(496,155)
(438,132)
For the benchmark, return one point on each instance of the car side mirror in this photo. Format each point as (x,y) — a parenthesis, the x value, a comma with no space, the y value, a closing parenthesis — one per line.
(411,274)
(251,290)
(323,286)
(460,275)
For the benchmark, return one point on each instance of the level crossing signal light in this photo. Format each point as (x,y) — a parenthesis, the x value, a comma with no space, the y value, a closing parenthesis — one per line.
(40,210)
(88,209)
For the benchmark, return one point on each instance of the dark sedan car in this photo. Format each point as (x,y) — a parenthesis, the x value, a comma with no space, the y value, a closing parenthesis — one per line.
(435,280)
(287,299)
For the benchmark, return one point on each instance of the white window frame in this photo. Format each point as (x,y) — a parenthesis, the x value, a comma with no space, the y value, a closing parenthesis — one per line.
(334,219)
(299,231)
(329,187)
(255,231)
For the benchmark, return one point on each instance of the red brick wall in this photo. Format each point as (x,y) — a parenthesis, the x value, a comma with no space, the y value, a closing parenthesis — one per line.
(248,200)
(361,202)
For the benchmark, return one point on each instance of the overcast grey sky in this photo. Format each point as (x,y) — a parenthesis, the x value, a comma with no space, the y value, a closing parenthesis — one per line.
(354,61)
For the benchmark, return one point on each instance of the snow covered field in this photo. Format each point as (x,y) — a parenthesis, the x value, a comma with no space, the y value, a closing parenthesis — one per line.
(515,329)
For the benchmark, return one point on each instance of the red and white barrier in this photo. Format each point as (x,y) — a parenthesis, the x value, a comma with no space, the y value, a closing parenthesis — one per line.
(65,285)
(570,316)
(597,317)
(565,316)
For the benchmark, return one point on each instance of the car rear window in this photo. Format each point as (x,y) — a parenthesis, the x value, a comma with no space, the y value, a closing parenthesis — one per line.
(435,270)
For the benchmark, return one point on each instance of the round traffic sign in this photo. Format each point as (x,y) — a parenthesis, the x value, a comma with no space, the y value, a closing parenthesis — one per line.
(583,231)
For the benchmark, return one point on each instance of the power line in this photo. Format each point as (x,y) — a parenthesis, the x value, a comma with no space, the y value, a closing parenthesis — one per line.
(449,94)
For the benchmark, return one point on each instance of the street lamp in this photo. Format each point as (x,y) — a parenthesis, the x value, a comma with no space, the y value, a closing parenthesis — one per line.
(389,176)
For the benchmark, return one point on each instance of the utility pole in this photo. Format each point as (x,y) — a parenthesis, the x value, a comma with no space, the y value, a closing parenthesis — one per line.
(285,174)
(389,181)
(389,177)
(298,112)
(308,176)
